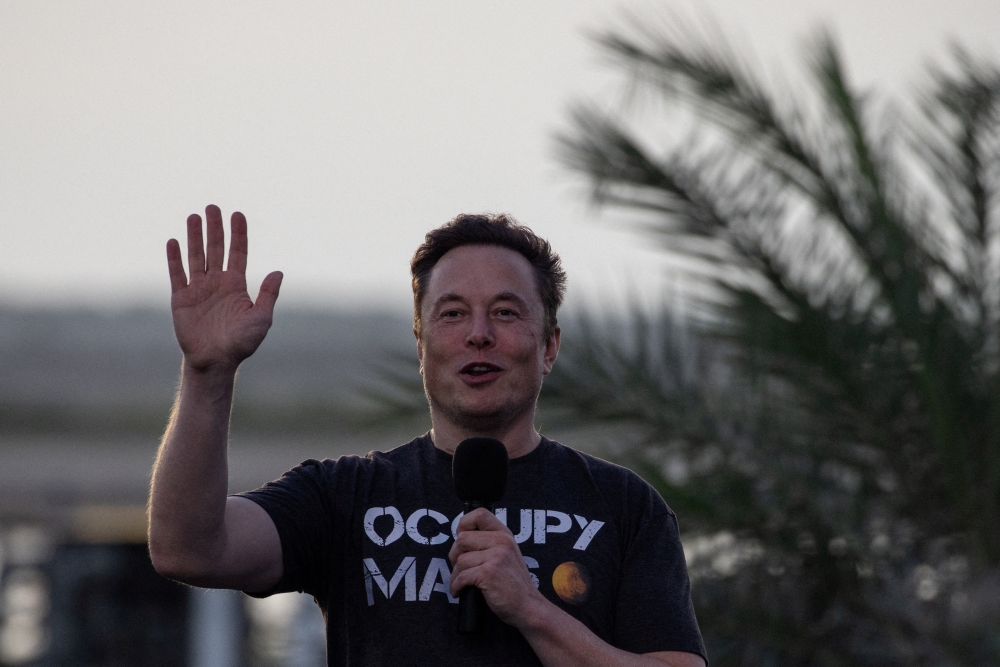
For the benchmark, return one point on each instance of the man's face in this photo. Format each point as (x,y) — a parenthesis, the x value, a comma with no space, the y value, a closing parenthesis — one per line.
(482,346)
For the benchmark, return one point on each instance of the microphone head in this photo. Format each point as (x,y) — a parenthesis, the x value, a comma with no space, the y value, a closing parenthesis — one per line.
(479,469)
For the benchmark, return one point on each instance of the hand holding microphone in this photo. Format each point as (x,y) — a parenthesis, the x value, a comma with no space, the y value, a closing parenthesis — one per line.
(479,470)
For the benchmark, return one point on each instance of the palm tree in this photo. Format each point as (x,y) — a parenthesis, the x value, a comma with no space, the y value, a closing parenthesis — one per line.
(826,422)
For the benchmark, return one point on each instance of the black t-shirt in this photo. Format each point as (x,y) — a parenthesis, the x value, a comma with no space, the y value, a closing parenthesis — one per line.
(369,539)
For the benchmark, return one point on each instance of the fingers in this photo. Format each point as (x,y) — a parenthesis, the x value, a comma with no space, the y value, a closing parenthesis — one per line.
(196,246)
(204,257)
(472,543)
(480,519)
(481,540)
(215,248)
(469,571)
(175,266)
(237,244)
(492,570)
(269,291)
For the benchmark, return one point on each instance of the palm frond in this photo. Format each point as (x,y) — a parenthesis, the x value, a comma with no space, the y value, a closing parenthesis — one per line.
(857,252)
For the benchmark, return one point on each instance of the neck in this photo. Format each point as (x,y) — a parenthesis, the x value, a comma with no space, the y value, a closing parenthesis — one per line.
(519,438)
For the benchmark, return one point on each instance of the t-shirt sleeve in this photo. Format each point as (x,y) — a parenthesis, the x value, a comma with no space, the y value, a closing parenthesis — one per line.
(654,610)
(300,503)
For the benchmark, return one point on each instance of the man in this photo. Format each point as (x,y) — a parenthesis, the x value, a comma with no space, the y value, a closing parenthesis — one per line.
(593,575)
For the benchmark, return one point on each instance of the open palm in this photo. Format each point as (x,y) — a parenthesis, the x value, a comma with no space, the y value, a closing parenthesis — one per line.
(216,322)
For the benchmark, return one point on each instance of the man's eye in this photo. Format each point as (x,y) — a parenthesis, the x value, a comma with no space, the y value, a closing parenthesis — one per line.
(450,313)
(506,312)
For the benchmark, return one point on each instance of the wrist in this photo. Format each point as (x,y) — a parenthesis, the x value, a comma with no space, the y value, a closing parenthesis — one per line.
(535,615)
(212,383)
(210,370)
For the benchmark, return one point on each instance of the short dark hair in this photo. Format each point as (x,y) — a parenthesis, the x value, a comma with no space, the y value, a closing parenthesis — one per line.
(496,230)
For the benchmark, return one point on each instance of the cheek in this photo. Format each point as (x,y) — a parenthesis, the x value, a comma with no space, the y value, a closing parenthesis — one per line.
(528,343)
(439,345)
(440,349)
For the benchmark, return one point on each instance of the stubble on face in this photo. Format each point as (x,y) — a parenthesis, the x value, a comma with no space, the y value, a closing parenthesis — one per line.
(487,423)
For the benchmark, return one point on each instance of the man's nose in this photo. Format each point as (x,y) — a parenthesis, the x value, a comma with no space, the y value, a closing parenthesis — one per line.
(481,333)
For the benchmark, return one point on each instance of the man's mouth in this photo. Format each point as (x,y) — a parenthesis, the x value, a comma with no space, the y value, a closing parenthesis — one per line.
(478,369)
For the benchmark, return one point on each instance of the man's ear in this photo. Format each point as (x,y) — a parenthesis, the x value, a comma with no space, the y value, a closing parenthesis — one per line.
(420,350)
(551,350)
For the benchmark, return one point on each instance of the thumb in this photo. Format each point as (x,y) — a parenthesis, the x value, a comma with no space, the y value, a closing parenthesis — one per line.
(269,291)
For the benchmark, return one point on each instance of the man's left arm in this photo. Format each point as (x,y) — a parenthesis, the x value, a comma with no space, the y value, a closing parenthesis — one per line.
(486,555)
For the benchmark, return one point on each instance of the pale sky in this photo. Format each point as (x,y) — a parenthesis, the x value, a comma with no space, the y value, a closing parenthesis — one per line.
(345,130)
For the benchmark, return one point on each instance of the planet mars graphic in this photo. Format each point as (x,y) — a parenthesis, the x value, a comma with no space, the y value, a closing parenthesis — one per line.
(571,582)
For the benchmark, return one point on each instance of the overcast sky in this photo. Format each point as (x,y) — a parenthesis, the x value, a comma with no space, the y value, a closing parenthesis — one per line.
(345,130)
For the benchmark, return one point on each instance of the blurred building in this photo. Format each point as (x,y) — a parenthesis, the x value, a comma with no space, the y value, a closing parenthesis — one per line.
(84,397)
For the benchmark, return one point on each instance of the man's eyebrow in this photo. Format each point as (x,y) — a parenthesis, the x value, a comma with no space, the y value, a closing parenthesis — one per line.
(509,296)
(502,296)
(449,296)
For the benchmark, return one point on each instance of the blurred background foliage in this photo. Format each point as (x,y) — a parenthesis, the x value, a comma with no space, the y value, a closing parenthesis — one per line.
(820,404)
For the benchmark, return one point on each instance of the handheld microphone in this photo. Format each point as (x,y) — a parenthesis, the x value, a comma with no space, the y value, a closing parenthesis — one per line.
(479,469)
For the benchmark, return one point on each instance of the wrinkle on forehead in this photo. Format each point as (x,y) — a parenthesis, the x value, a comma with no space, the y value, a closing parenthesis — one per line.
(513,275)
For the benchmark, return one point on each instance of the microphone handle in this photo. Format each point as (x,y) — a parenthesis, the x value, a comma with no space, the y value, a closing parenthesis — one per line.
(471,603)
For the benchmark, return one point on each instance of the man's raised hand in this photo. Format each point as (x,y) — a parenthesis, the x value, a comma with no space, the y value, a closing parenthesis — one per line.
(216,322)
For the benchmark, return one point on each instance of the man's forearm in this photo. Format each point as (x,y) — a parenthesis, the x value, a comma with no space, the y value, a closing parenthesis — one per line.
(559,640)
(187,502)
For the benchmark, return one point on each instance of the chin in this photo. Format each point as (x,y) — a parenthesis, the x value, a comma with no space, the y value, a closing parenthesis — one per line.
(492,419)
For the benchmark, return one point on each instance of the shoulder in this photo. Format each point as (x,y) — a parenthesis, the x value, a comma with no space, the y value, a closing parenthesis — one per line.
(624,490)
(349,470)
(403,455)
